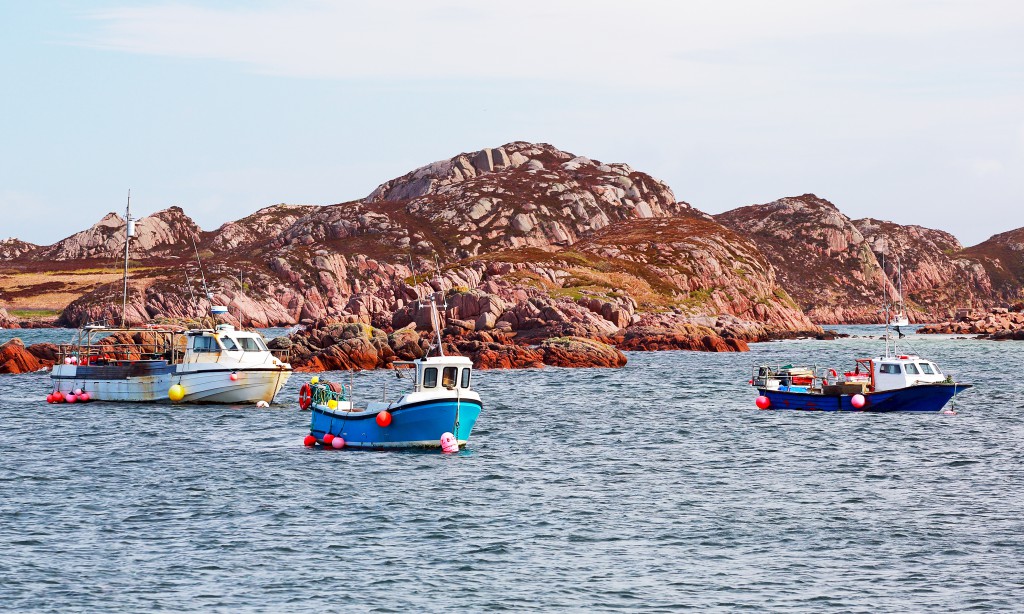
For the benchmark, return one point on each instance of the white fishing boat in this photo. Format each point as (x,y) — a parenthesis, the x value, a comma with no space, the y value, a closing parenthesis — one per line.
(218,364)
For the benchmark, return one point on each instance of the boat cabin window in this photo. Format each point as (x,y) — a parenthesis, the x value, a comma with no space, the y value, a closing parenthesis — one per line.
(449,377)
(252,344)
(465,377)
(912,369)
(926,367)
(205,344)
(430,377)
(889,368)
(228,343)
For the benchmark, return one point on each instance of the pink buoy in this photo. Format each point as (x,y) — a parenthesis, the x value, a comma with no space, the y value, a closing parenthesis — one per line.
(67,361)
(78,391)
(338,443)
(84,397)
(328,438)
(70,398)
(234,377)
(858,401)
(309,441)
(449,444)
(763,402)
(74,360)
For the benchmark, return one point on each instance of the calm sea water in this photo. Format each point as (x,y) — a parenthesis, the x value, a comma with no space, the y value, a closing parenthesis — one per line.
(655,487)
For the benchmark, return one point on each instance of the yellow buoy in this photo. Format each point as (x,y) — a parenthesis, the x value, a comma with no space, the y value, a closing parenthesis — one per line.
(332,404)
(314,380)
(176,392)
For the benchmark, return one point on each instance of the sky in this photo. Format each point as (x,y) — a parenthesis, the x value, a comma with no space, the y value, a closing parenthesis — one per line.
(904,110)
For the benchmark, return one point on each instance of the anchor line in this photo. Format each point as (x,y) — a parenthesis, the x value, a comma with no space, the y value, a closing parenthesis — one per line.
(458,408)
(277,387)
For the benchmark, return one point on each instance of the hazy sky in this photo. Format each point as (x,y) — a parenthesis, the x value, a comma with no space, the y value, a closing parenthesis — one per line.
(911,111)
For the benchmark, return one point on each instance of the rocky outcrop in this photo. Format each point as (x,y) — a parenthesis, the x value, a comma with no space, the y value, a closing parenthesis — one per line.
(580,352)
(16,358)
(15,248)
(165,232)
(6,321)
(999,323)
(259,228)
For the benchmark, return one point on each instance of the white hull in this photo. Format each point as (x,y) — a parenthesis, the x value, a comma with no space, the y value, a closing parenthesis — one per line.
(213,386)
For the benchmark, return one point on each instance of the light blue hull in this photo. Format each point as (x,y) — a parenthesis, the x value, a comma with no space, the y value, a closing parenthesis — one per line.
(418,425)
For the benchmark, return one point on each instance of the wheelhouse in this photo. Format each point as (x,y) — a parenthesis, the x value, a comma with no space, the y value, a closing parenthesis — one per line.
(441,373)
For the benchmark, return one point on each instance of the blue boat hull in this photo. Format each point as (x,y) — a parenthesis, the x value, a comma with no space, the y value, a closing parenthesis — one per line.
(418,425)
(921,398)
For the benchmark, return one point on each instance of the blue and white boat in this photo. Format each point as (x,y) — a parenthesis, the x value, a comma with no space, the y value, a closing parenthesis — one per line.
(887,383)
(441,401)
(439,411)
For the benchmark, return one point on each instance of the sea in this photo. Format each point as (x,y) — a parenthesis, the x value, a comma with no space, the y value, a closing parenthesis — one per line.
(657,487)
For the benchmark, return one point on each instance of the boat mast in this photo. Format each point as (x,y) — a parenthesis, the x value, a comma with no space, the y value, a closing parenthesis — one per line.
(129,232)
(885,307)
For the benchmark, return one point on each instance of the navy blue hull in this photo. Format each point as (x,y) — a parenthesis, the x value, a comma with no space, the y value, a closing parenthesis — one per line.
(922,398)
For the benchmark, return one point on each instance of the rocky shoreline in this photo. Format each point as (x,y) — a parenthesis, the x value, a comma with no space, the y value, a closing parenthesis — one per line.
(999,324)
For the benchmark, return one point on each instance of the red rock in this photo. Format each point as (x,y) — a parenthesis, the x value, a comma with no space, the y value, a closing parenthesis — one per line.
(15,358)
(580,352)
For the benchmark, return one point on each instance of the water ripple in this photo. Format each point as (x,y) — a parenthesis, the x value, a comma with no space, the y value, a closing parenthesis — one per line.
(656,487)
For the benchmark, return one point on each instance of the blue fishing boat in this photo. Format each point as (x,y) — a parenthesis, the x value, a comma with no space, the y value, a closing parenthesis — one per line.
(887,383)
(439,411)
(441,402)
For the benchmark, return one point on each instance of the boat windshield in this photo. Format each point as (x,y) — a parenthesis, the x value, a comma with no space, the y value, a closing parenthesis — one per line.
(205,344)
(252,344)
(228,343)
(929,369)
(448,377)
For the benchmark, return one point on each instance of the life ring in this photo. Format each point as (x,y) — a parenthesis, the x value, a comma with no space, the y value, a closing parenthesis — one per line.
(305,396)
(833,373)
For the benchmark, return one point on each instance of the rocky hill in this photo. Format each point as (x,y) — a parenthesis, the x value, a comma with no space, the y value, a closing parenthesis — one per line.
(1002,257)
(841,270)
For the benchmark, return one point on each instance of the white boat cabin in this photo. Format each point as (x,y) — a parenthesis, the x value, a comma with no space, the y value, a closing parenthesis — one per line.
(227,345)
(438,373)
(895,372)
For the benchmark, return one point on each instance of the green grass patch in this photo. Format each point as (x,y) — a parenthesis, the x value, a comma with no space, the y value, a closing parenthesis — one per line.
(34,313)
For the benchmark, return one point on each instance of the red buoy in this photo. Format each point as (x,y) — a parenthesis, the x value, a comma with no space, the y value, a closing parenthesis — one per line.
(49,398)
(234,377)
(384,418)
(763,402)
(85,396)
(328,438)
(309,441)
(858,401)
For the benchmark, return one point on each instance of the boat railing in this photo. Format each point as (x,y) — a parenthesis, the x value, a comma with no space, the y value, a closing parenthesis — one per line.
(767,375)
(70,353)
